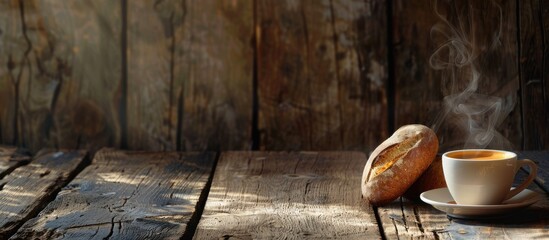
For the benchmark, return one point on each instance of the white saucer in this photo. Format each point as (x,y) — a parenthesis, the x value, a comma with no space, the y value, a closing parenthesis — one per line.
(442,200)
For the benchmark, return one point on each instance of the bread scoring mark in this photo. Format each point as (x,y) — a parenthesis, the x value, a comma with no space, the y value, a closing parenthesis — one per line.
(392,155)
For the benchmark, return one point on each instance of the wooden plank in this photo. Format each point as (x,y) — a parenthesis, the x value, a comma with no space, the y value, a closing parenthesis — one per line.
(59,73)
(190,74)
(321,74)
(217,93)
(186,88)
(274,195)
(406,219)
(11,49)
(534,72)
(11,158)
(456,70)
(28,189)
(154,73)
(416,85)
(130,195)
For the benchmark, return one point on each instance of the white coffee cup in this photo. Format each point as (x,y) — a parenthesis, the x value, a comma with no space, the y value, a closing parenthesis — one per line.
(483,176)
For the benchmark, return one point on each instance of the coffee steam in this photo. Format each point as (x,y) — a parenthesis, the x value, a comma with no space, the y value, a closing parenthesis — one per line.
(471,113)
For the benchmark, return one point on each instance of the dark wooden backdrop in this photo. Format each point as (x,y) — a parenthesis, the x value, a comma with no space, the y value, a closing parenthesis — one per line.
(256,74)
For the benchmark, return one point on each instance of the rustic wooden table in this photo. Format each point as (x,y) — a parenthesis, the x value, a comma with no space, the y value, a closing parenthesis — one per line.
(240,195)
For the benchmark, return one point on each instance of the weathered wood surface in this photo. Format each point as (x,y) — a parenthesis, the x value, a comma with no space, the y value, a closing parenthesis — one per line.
(154,80)
(416,86)
(271,195)
(270,75)
(59,73)
(26,190)
(455,67)
(190,74)
(407,219)
(322,74)
(253,195)
(534,72)
(11,158)
(130,195)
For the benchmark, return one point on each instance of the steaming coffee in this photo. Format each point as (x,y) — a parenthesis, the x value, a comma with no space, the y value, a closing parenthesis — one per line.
(483,177)
(478,155)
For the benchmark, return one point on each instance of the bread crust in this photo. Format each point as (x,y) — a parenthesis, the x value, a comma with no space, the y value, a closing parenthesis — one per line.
(397,163)
(432,178)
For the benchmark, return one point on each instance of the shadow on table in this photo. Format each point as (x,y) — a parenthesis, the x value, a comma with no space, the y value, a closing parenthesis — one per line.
(533,217)
(529,223)
(406,219)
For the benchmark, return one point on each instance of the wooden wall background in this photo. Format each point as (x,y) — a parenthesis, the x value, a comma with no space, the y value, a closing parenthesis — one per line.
(258,74)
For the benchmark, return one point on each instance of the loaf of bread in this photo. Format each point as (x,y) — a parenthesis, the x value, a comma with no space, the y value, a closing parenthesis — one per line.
(397,163)
(432,178)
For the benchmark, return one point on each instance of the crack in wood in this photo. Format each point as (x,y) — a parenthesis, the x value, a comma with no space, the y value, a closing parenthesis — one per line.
(375,210)
(403,214)
(134,192)
(88,225)
(120,226)
(95,233)
(109,235)
(171,187)
(307,188)
(192,224)
(125,200)
(186,178)
(396,228)
(45,173)
(435,234)
(161,219)
(418,220)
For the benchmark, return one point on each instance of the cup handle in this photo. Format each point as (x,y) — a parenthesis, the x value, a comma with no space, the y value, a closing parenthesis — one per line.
(531,176)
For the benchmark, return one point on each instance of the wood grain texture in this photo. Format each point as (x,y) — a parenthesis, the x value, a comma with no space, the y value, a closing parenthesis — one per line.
(534,72)
(190,74)
(408,220)
(296,74)
(217,96)
(14,50)
(456,70)
(59,73)
(404,219)
(11,158)
(28,189)
(417,87)
(154,76)
(321,74)
(130,195)
(270,195)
